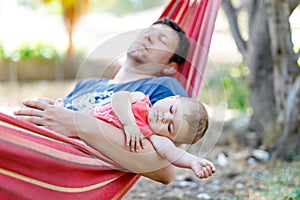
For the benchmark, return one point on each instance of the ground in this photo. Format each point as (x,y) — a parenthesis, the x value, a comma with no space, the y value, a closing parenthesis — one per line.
(237,180)
(241,174)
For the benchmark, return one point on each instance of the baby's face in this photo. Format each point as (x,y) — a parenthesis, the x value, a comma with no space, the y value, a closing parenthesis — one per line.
(166,118)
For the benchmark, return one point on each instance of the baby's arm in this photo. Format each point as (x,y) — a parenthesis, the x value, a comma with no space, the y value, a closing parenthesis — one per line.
(202,168)
(121,105)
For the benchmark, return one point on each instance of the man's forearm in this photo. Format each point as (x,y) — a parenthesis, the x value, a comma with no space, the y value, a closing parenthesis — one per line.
(109,140)
(102,136)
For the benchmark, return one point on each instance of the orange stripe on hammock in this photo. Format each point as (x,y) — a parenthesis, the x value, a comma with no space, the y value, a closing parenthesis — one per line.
(35,165)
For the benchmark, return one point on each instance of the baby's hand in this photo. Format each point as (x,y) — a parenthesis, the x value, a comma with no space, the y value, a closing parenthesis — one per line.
(203,168)
(134,138)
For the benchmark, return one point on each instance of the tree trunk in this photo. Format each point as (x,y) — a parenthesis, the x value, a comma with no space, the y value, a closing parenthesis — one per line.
(274,73)
(256,52)
(72,11)
(286,79)
(258,58)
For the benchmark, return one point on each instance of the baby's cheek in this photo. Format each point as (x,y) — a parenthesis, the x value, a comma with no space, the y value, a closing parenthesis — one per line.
(157,127)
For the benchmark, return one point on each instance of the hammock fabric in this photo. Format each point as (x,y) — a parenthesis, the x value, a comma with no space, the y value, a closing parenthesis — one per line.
(36,163)
(198,19)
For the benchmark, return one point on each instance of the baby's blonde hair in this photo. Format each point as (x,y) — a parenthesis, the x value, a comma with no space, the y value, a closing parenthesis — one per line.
(197,119)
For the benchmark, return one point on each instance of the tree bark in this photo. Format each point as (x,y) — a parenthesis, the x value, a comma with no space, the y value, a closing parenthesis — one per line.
(286,79)
(274,73)
(256,52)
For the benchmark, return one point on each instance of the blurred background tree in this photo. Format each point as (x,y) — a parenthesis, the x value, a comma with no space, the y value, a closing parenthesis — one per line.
(72,11)
(121,7)
(267,48)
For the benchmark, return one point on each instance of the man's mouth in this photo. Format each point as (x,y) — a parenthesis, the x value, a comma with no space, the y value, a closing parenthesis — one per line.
(143,46)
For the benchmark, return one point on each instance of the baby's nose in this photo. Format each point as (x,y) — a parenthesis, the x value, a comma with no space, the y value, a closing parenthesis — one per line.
(167,117)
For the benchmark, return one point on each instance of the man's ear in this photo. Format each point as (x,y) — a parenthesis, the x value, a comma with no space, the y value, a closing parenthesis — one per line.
(170,69)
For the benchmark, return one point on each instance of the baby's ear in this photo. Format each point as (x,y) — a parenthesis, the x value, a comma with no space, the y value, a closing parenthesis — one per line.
(170,69)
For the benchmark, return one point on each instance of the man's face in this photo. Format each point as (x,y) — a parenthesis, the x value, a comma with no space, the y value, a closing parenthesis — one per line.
(154,45)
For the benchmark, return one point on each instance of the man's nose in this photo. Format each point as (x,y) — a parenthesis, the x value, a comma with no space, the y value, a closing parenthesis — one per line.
(150,35)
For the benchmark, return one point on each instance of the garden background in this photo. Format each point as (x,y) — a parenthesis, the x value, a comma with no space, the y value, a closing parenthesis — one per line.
(35,61)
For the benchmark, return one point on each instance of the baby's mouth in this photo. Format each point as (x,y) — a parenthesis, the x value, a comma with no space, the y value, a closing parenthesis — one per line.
(155,115)
(158,114)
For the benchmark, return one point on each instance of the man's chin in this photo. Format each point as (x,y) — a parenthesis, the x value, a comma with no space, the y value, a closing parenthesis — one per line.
(136,55)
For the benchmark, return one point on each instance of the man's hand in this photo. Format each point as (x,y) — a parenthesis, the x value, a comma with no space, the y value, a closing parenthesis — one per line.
(42,112)
(134,138)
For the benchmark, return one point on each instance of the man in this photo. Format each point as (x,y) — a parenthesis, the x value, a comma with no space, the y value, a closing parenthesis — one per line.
(151,55)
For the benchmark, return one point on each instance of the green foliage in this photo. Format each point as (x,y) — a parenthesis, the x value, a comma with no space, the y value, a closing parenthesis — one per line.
(30,51)
(284,183)
(54,7)
(1,52)
(297,194)
(39,51)
(236,84)
(122,7)
(4,53)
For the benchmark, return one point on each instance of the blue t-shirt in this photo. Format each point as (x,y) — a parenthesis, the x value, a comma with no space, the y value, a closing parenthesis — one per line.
(91,93)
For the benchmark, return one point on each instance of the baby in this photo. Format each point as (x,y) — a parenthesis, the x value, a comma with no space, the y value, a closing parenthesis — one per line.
(168,123)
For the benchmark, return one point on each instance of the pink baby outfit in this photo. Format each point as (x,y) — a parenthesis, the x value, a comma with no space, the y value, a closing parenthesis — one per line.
(139,110)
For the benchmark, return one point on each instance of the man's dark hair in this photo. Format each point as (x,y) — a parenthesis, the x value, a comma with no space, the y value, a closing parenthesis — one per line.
(182,49)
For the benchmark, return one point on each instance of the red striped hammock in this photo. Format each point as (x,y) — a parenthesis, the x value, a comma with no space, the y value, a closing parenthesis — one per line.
(39,164)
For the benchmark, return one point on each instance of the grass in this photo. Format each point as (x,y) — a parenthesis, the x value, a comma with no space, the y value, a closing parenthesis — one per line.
(263,180)
(284,181)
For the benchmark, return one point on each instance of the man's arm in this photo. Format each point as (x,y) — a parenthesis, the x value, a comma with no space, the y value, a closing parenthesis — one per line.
(104,137)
